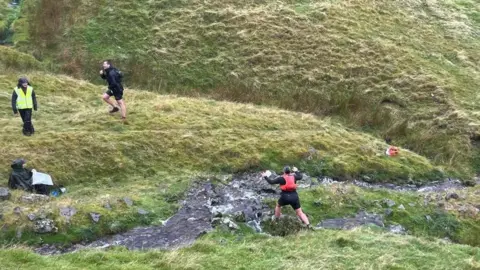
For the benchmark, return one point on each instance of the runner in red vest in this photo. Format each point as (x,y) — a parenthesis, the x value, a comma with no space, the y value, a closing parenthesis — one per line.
(289,195)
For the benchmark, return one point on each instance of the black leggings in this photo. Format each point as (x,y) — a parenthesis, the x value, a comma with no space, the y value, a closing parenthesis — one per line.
(289,198)
(26,115)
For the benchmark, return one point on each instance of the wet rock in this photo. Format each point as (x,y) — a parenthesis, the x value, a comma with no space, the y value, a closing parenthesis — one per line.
(398,229)
(231,225)
(31,217)
(451,195)
(362,218)
(4,194)
(255,225)
(67,212)
(401,207)
(128,201)
(34,198)
(142,212)
(44,226)
(95,217)
(17,210)
(388,212)
(388,202)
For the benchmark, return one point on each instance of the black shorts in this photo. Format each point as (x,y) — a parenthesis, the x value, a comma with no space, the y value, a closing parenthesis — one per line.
(118,95)
(289,198)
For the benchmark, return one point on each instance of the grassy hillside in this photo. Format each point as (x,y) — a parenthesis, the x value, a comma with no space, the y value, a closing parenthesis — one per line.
(167,142)
(361,249)
(408,70)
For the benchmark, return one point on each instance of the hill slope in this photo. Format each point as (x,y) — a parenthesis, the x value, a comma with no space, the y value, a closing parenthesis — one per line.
(167,142)
(406,70)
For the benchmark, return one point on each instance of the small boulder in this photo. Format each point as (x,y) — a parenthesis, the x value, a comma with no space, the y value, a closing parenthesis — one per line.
(451,195)
(128,201)
(17,210)
(142,212)
(34,198)
(388,202)
(388,212)
(31,216)
(44,226)
(4,194)
(401,207)
(107,206)
(67,212)
(397,229)
(95,217)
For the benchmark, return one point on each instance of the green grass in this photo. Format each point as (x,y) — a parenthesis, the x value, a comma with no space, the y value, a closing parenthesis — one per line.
(359,249)
(449,220)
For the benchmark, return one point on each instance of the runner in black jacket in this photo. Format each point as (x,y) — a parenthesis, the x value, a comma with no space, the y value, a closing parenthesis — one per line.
(289,195)
(115,88)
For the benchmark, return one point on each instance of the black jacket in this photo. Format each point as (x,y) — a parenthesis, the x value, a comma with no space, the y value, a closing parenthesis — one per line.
(14,101)
(20,178)
(114,84)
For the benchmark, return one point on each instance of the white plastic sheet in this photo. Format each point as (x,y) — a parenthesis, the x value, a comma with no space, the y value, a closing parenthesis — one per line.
(39,178)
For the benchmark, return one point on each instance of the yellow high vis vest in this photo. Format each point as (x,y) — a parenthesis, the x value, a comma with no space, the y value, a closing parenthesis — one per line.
(24,101)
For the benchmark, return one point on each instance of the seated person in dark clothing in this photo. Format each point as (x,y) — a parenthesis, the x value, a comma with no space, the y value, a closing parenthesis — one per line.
(21,178)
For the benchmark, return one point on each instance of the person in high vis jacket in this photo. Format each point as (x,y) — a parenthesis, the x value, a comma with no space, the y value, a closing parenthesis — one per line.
(289,195)
(23,101)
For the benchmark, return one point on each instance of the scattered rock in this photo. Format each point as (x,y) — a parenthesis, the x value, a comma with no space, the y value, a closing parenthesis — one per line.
(44,226)
(17,210)
(95,217)
(68,212)
(34,198)
(398,229)
(388,202)
(401,207)
(31,217)
(429,218)
(4,194)
(107,206)
(388,212)
(142,212)
(128,201)
(452,195)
